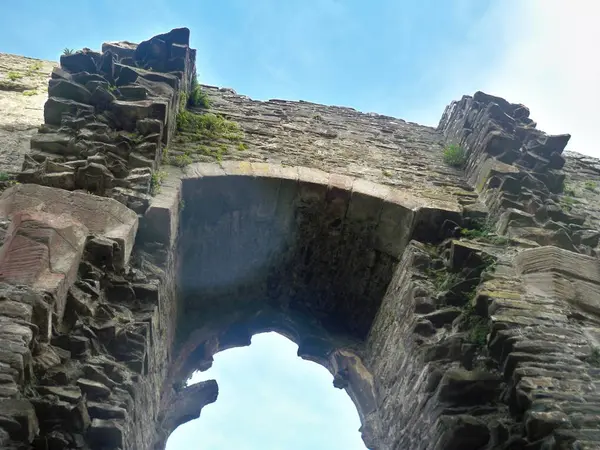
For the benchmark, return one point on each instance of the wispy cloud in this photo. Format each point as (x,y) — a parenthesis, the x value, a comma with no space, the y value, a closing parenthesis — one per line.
(552,66)
(542,53)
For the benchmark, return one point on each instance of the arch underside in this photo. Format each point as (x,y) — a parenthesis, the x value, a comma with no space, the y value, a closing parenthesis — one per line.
(304,253)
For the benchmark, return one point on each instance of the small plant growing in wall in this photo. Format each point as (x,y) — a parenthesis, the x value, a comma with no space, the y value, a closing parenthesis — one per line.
(455,156)
(14,76)
(68,51)
(198,98)
(156,181)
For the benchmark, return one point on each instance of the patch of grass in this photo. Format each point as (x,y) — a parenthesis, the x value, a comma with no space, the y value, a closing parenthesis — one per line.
(198,98)
(29,93)
(569,190)
(215,152)
(478,326)
(386,173)
(68,51)
(166,159)
(35,66)
(590,185)
(455,156)
(5,176)
(242,147)
(443,280)
(209,125)
(483,231)
(14,76)
(567,202)
(156,181)
(181,160)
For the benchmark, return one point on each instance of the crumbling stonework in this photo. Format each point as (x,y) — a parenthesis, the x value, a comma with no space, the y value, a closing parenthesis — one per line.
(458,307)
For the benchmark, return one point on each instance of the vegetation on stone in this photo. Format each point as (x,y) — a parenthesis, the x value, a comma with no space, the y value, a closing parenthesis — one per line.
(14,76)
(455,156)
(208,125)
(483,231)
(68,51)
(198,98)
(158,176)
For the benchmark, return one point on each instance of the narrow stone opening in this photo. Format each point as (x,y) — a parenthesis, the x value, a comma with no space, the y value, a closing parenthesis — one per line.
(270,398)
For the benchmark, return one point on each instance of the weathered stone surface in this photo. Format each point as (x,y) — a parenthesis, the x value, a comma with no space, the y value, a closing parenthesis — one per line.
(69,90)
(99,215)
(56,108)
(458,309)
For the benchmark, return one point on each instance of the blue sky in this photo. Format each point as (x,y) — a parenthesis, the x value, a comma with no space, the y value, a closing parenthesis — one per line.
(269,399)
(402,58)
(407,59)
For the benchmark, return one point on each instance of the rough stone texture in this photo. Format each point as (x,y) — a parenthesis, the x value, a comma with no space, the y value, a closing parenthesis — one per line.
(21,105)
(344,231)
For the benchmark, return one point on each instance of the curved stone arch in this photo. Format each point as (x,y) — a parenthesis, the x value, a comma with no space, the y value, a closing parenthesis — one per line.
(368,224)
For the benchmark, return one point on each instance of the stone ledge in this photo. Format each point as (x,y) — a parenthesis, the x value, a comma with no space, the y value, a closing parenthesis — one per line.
(102,216)
(554,259)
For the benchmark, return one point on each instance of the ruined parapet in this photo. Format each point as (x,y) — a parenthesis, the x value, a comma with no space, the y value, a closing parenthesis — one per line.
(109,115)
(517,169)
(543,305)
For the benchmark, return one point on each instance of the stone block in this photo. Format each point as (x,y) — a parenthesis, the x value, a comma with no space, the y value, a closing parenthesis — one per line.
(102,216)
(56,107)
(23,412)
(557,260)
(161,220)
(69,90)
(127,113)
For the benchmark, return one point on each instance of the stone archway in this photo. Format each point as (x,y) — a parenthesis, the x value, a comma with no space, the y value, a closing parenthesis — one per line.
(270,398)
(294,250)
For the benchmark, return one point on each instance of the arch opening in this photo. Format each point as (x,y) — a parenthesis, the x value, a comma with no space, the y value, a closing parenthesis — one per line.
(269,398)
(300,252)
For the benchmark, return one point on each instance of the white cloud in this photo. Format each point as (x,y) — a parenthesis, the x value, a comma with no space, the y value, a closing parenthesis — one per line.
(551,65)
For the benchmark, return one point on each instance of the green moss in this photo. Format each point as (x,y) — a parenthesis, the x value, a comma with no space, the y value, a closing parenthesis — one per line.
(455,156)
(242,147)
(209,125)
(386,173)
(181,160)
(483,231)
(569,190)
(5,176)
(14,76)
(443,280)
(590,185)
(156,181)
(29,93)
(35,66)
(567,202)
(198,98)
(477,326)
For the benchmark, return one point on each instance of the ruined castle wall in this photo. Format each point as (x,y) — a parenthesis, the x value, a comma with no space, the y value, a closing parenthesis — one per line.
(486,337)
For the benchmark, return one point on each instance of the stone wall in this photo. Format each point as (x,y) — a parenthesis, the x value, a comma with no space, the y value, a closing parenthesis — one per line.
(458,307)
